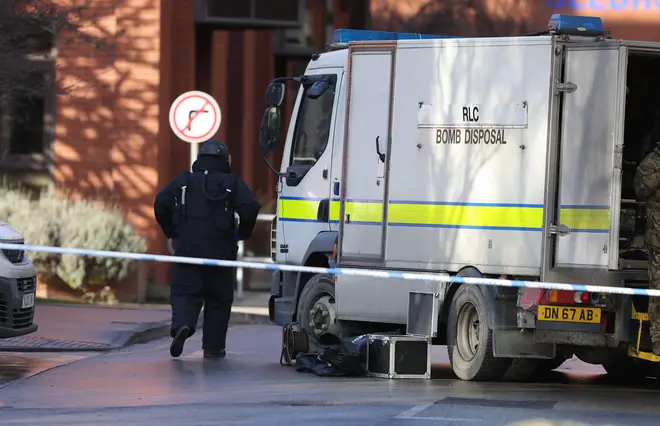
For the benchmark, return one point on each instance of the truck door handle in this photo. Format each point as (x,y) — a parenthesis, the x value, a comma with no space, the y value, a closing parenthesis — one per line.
(381,155)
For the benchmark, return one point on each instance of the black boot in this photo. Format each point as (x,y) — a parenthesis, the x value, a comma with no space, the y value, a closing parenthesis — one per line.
(176,348)
(215,354)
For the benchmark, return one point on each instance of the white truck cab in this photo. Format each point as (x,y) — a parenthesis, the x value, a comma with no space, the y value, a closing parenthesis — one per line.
(18,284)
(506,157)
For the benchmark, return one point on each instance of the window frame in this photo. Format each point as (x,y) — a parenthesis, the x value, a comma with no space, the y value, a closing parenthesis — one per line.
(43,161)
(302,169)
(202,16)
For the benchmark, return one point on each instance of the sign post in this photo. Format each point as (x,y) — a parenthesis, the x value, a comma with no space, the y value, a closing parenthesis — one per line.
(194,150)
(194,118)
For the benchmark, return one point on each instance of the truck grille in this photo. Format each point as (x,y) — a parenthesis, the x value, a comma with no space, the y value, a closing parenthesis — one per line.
(27,285)
(23,317)
(14,256)
(273,239)
(4,315)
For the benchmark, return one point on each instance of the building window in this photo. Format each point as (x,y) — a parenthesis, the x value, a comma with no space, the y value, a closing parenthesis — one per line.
(280,10)
(229,9)
(25,134)
(27,108)
(258,12)
(22,125)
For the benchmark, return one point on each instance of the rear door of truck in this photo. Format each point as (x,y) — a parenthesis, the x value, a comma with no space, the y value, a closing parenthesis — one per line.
(592,102)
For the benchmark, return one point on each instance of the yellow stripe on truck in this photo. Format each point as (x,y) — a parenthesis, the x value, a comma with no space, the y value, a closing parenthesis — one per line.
(296,209)
(515,217)
(367,212)
(467,216)
(585,218)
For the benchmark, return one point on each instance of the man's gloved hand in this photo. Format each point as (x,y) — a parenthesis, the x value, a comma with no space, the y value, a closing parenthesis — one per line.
(236,237)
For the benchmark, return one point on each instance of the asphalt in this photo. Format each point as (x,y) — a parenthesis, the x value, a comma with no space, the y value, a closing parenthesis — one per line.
(142,385)
(81,328)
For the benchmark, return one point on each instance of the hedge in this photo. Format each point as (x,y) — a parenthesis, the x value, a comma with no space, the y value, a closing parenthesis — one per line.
(49,220)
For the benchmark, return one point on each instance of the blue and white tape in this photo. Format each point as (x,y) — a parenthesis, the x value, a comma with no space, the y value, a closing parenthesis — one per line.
(337,271)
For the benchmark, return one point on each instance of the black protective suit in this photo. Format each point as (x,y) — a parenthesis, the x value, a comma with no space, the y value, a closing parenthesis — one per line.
(196,210)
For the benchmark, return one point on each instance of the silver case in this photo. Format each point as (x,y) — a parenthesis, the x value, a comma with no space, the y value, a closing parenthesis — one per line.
(423,312)
(394,339)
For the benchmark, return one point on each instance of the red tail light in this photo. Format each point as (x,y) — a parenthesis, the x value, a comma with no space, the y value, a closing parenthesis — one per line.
(566,297)
(531,298)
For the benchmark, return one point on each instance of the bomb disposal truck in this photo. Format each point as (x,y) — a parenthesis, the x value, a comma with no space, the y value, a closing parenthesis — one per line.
(507,157)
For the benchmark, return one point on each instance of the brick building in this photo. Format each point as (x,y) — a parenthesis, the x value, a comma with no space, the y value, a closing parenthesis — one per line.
(109,137)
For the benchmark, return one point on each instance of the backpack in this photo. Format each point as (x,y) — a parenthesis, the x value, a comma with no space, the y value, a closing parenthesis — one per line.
(204,223)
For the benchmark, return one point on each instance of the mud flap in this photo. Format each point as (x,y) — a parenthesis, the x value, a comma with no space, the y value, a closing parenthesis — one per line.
(508,339)
(640,339)
(512,343)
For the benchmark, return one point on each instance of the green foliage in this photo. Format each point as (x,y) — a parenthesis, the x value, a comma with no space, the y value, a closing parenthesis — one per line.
(52,221)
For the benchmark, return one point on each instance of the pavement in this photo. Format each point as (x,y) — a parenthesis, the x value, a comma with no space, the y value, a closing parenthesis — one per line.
(142,385)
(80,328)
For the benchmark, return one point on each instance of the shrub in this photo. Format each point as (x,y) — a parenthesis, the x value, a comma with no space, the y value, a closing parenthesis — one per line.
(52,221)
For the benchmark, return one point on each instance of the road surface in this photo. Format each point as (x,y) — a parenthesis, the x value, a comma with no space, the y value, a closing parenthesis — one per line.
(142,385)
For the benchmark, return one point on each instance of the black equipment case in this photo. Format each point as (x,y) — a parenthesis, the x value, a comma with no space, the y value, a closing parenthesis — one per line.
(399,357)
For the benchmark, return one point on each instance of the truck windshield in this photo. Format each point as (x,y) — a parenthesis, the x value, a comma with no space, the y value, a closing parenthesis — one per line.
(313,126)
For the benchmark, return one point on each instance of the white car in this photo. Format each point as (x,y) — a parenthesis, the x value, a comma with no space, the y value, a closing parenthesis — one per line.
(18,285)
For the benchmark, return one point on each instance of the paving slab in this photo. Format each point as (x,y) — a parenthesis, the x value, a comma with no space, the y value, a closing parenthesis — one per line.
(83,328)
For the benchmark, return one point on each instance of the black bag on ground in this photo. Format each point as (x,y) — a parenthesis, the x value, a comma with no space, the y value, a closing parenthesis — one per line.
(348,355)
(338,356)
(311,363)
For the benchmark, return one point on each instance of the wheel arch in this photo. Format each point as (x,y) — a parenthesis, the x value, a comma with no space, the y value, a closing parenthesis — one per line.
(318,254)
(488,293)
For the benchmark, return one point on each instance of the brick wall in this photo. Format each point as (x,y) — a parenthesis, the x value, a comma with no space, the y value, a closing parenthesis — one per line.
(107,126)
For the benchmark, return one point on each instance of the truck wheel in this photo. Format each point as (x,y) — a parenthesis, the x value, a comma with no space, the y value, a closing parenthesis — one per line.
(470,339)
(317,313)
(621,365)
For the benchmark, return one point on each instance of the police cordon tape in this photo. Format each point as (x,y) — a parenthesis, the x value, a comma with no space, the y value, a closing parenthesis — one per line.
(337,271)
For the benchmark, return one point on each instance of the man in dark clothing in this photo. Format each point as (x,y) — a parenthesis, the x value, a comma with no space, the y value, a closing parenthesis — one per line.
(196,211)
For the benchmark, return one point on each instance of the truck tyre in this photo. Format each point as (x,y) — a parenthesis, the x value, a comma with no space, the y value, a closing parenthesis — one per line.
(470,339)
(621,365)
(316,312)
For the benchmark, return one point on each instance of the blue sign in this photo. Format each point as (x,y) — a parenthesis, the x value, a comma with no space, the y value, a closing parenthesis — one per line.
(604,4)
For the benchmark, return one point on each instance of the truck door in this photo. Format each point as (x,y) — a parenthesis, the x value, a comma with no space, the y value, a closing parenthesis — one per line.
(307,160)
(591,137)
(363,205)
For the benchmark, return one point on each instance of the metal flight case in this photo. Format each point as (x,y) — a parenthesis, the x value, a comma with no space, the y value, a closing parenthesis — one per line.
(406,356)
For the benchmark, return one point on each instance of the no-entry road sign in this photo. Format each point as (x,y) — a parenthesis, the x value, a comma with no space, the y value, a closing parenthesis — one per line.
(195,116)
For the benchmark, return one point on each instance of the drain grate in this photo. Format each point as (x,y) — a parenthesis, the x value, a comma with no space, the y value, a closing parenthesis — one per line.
(499,403)
(39,344)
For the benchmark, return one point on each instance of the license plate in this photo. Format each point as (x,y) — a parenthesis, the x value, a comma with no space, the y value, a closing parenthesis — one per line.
(28,300)
(569,314)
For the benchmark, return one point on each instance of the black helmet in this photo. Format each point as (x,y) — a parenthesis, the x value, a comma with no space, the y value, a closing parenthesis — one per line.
(213,148)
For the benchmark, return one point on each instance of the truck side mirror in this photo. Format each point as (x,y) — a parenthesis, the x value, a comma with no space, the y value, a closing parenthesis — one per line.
(270,129)
(275,94)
